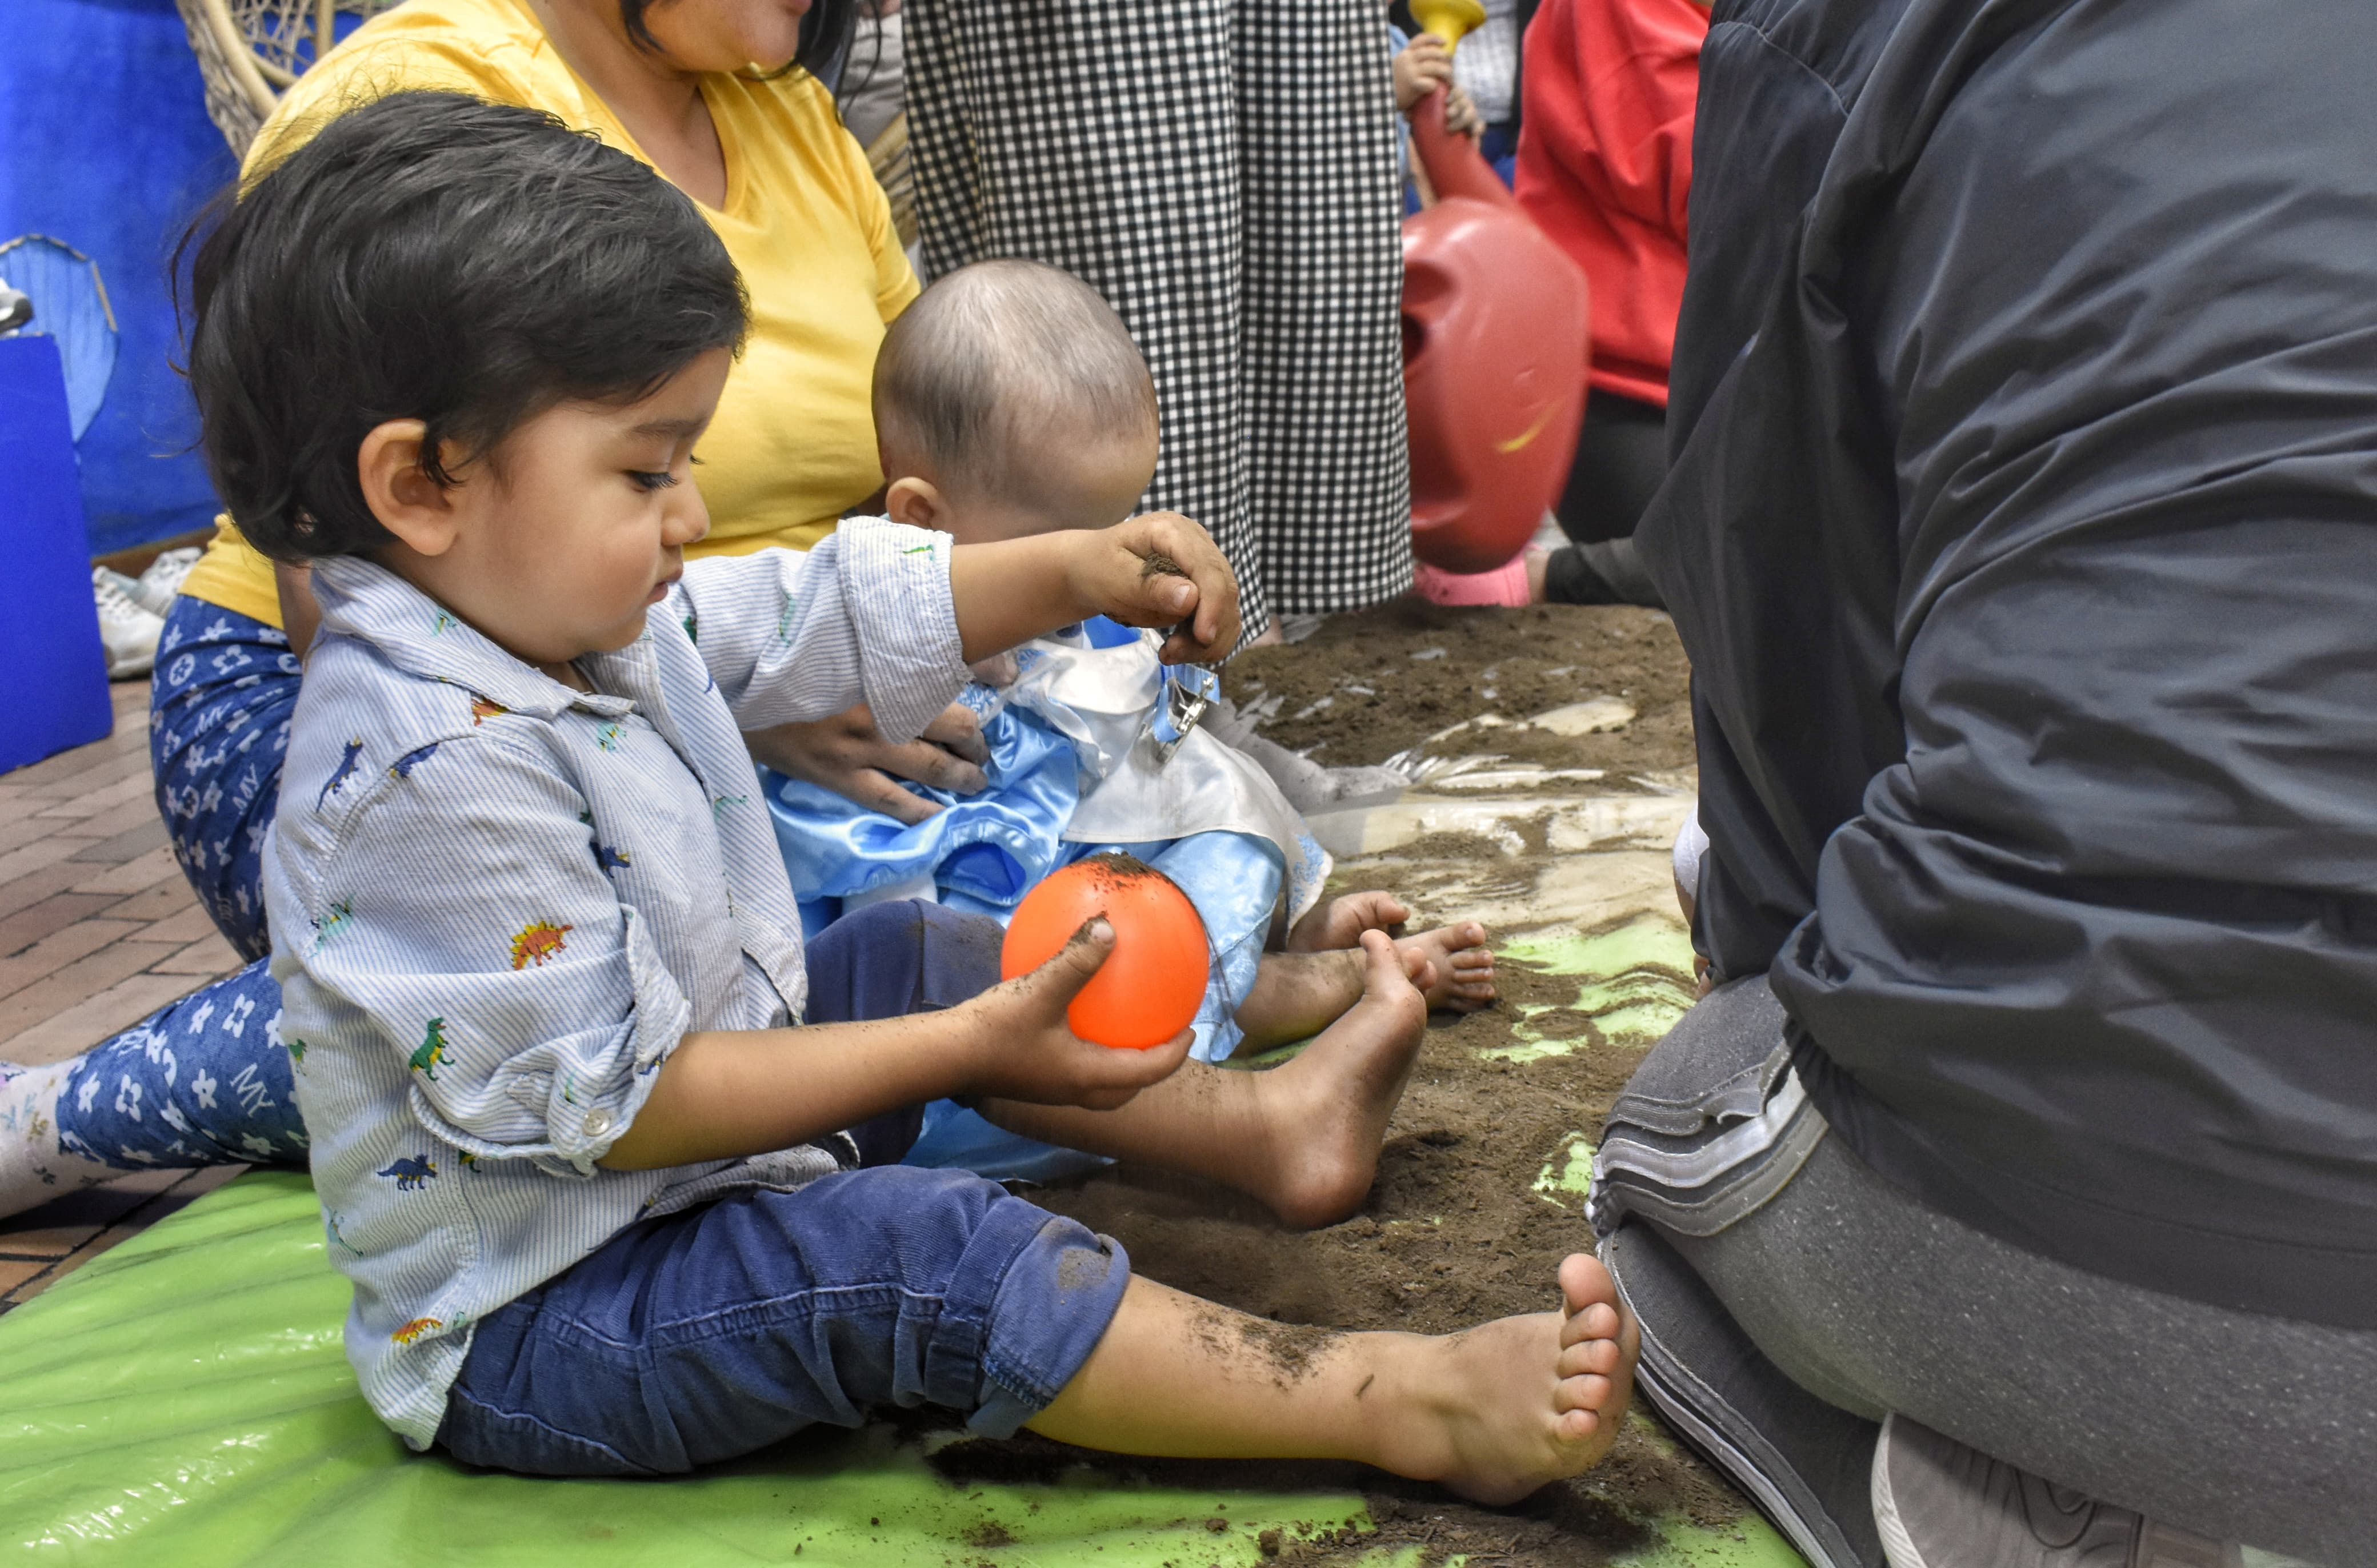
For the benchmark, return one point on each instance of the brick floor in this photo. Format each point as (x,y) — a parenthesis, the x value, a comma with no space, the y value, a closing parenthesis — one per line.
(98,930)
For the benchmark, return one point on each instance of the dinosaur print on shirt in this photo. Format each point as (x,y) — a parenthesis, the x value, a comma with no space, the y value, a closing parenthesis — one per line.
(347,768)
(430,1052)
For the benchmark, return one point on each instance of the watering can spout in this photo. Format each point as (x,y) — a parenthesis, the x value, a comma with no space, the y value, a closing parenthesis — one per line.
(1449,19)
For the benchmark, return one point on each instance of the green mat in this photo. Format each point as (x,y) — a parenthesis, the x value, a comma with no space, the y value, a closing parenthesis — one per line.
(185,1399)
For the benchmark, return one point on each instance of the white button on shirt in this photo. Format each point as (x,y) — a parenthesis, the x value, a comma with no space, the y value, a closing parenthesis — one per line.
(498,904)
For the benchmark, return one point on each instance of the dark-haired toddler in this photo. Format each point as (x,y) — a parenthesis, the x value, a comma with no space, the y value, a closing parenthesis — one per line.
(597,1143)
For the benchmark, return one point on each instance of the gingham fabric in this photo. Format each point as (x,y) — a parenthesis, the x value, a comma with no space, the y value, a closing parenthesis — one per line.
(1224,174)
(1485,64)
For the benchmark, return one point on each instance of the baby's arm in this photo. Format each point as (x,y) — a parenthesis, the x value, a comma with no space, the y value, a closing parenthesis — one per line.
(731,1092)
(891,615)
(1156,570)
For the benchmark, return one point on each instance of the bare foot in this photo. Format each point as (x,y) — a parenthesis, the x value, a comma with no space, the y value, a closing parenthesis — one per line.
(1340,922)
(1523,1401)
(1324,1114)
(1452,967)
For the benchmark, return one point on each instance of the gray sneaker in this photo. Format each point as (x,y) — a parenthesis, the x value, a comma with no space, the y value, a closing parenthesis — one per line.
(129,631)
(1940,1504)
(154,589)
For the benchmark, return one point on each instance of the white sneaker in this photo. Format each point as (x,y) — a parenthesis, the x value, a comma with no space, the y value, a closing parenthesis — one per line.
(129,629)
(1940,1504)
(156,588)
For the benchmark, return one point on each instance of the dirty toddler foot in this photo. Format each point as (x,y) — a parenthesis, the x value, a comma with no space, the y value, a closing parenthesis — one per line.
(1340,922)
(1526,1400)
(1452,966)
(1324,1114)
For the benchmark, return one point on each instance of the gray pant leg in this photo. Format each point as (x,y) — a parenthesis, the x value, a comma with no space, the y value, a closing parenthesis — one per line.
(2240,1427)
(2236,1425)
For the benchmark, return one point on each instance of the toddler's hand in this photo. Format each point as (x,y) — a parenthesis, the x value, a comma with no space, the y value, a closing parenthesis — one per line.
(1161,570)
(1029,1052)
(1424,65)
(1461,116)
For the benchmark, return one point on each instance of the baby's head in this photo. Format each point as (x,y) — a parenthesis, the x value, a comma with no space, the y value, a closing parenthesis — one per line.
(1010,400)
(476,347)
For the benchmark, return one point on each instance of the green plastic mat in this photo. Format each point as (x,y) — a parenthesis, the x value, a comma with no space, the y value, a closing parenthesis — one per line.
(185,1399)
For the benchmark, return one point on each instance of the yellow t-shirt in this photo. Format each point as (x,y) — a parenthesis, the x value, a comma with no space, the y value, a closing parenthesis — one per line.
(792,446)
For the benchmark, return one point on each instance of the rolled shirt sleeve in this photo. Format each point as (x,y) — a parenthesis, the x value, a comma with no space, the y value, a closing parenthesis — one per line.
(866,616)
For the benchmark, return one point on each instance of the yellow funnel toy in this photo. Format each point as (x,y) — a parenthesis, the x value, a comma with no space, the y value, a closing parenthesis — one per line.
(1448,19)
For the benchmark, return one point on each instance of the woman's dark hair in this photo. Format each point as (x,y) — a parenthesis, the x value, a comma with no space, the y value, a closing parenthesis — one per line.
(825,35)
(431,256)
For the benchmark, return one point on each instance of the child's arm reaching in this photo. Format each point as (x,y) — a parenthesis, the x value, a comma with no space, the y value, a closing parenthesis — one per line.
(725,1093)
(1155,570)
(891,615)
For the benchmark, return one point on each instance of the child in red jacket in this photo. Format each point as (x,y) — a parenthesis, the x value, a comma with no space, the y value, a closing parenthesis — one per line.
(1605,168)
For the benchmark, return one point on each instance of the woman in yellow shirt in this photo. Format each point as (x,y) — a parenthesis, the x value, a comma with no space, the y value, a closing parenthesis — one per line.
(763,152)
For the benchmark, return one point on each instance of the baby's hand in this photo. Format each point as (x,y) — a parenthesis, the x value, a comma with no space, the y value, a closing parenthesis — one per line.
(999,669)
(1027,1050)
(1161,570)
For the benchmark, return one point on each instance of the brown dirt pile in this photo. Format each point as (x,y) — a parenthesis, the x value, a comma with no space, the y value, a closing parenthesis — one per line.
(1382,697)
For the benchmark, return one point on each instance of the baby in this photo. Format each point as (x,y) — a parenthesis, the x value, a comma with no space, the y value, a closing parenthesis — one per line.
(597,1140)
(1009,401)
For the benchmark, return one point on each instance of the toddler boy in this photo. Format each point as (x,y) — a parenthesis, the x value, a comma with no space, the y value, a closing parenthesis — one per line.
(586,1146)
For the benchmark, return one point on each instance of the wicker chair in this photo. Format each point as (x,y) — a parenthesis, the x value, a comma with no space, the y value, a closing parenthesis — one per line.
(249,51)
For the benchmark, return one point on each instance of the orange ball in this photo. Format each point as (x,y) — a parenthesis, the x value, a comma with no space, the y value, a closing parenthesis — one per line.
(1154,978)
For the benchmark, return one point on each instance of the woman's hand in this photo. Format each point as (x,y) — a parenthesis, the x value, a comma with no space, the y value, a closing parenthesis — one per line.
(848,755)
(1025,1050)
(1160,570)
(1424,64)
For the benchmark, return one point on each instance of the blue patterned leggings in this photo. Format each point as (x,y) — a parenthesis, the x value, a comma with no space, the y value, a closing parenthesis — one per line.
(204,1080)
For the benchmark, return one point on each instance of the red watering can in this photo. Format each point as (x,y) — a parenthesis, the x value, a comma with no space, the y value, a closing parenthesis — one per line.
(1495,347)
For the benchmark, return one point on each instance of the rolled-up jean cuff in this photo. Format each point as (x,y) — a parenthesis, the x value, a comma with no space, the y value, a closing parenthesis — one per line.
(1028,1302)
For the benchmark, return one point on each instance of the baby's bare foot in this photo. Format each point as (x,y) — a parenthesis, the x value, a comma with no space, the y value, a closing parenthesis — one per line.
(1452,967)
(1325,1113)
(1340,922)
(1527,1400)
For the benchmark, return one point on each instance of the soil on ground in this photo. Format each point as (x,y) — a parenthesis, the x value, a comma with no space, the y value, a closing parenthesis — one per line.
(1365,688)
(1454,1231)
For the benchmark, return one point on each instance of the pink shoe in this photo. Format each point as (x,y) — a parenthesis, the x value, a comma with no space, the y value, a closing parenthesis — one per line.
(1505,584)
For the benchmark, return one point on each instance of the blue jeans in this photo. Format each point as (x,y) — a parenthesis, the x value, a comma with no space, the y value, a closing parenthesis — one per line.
(708,1333)
(712,1333)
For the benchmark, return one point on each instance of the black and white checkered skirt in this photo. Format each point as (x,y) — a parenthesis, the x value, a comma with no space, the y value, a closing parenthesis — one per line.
(1224,174)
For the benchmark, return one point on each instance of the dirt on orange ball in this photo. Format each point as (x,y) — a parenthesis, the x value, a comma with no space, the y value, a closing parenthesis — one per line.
(1150,985)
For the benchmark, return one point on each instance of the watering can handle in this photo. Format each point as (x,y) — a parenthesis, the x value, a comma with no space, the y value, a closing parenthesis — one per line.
(1455,167)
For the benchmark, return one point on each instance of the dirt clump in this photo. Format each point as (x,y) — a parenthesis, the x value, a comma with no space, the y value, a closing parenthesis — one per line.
(1363,687)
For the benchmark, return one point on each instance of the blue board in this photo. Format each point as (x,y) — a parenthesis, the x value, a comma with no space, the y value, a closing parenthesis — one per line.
(49,650)
(105,144)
